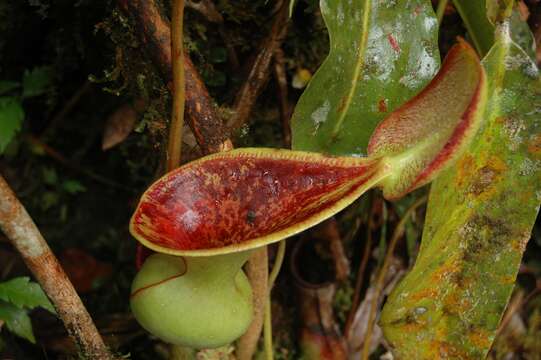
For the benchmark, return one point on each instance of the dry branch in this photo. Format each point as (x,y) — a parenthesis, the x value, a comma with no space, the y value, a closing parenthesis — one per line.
(200,111)
(260,69)
(279,71)
(258,272)
(26,238)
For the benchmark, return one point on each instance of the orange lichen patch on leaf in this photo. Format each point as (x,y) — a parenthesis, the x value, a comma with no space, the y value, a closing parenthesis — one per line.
(426,293)
(534,144)
(245,198)
(480,338)
(497,164)
(484,183)
(445,271)
(412,326)
(464,167)
(509,279)
(438,349)
(519,242)
(455,304)
(445,350)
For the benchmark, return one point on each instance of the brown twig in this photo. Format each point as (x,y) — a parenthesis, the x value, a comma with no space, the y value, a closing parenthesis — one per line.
(359,277)
(380,282)
(328,231)
(207,9)
(174,145)
(279,71)
(200,111)
(26,238)
(260,70)
(258,276)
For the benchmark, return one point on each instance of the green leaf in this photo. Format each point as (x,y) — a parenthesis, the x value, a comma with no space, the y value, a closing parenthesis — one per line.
(50,177)
(73,186)
(17,321)
(23,293)
(480,216)
(49,199)
(7,86)
(37,81)
(382,53)
(522,34)
(11,118)
(218,55)
(481,30)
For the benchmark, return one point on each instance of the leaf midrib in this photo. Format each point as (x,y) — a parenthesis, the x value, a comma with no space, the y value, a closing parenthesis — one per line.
(357,71)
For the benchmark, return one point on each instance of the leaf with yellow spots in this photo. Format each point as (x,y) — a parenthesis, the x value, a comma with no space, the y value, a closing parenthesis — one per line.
(480,215)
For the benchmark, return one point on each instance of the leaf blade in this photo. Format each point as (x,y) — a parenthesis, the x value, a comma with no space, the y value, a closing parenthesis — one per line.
(17,321)
(37,81)
(11,118)
(479,220)
(23,293)
(378,67)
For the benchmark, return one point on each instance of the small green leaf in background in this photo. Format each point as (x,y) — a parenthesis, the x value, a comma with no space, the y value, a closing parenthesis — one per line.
(73,186)
(50,177)
(218,55)
(479,219)
(7,86)
(49,199)
(17,297)
(17,321)
(382,54)
(23,293)
(36,81)
(11,118)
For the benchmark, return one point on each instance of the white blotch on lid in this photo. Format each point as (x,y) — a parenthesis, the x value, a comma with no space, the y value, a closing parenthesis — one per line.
(190,220)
